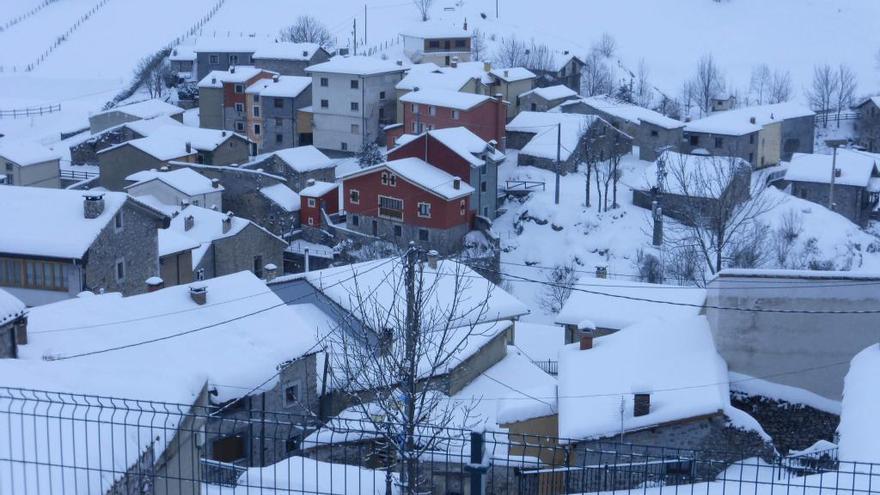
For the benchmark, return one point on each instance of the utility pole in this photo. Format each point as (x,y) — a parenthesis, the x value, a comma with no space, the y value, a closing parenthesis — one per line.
(834,144)
(354,35)
(412,329)
(496,8)
(365,24)
(558,157)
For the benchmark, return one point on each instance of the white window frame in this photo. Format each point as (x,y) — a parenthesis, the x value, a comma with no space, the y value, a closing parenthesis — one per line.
(421,208)
(432,110)
(354,196)
(239,107)
(415,108)
(456,115)
(311,202)
(233,60)
(402,205)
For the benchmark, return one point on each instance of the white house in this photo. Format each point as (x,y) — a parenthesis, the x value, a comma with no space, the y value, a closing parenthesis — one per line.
(28,164)
(176,188)
(351,98)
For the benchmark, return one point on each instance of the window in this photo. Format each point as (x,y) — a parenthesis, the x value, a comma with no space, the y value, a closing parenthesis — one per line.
(751,139)
(256,111)
(325,104)
(415,127)
(291,394)
(462,207)
(398,231)
(200,274)
(239,107)
(257,129)
(751,157)
(239,126)
(425,210)
(279,122)
(228,449)
(434,44)
(719,142)
(239,88)
(432,110)
(278,102)
(483,186)
(388,179)
(118,221)
(213,59)
(120,269)
(456,115)
(354,196)
(324,82)
(279,138)
(654,133)
(459,43)
(355,106)
(355,84)
(355,220)
(258,266)
(415,108)
(32,274)
(381,95)
(423,235)
(695,140)
(390,208)
(311,221)
(343,146)
(233,60)
(534,107)
(312,202)
(355,129)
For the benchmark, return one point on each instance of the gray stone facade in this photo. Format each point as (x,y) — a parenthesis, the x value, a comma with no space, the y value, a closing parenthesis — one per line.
(798,136)
(867,125)
(251,249)
(853,202)
(294,180)
(207,61)
(444,241)
(86,152)
(650,138)
(279,121)
(11,334)
(287,67)
(211,110)
(792,426)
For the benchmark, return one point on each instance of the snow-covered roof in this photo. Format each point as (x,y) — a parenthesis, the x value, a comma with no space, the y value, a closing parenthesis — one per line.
(318,189)
(513,74)
(240,44)
(381,280)
(237,74)
(856,168)
(660,357)
(628,111)
(171,242)
(146,109)
(541,342)
(437,29)
(145,127)
(452,80)
(445,98)
(185,180)
(282,196)
(10,307)
(738,122)
(50,222)
(693,175)
(170,142)
(304,158)
(423,175)
(608,304)
(182,53)
(460,140)
(560,60)
(287,51)
(24,153)
(551,93)
(873,99)
(543,125)
(304,475)
(859,428)
(280,87)
(356,65)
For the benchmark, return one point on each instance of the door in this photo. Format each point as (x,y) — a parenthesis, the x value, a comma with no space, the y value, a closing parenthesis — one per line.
(375,228)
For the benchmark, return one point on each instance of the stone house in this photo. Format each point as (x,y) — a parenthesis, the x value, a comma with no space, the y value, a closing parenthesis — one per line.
(85,151)
(437,43)
(867,125)
(176,188)
(409,200)
(651,131)
(762,135)
(222,53)
(272,106)
(856,182)
(289,59)
(510,83)
(147,109)
(430,109)
(353,98)
(566,69)
(542,99)
(13,325)
(772,344)
(316,200)
(222,97)
(29,164)
(109,243)
(228,244)
(175,259)
(297,165)
(167,145)
(460,153)
(182,60)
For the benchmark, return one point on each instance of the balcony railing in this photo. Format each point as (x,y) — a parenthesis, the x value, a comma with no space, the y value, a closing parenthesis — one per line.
(391,213)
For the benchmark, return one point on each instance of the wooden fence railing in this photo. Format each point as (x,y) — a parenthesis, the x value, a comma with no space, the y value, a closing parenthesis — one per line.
(30,111)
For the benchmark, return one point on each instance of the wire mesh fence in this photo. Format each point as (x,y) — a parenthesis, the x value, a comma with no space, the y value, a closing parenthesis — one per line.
(58,443)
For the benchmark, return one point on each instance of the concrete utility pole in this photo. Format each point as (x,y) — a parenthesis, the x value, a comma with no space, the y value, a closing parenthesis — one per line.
(833,143)
(354,36)
(558,157)
(412,329)
(365,24)
(496,8)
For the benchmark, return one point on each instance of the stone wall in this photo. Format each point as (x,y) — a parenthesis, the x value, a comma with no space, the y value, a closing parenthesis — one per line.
(792,426)
(239,252)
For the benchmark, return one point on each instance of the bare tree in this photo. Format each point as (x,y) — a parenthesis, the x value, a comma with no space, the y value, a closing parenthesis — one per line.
(540,57)
(606,46)
(561,281)
(424,8)
(478,44)
(846,89)
(707,83)
(716,205)
(780,87)
(759,84)
(307,29)
(643,92)
(823,89)
(688,97)
(596,77)
(411,328)
(511,52)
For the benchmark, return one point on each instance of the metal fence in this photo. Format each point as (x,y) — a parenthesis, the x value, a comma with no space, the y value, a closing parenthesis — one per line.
(58,443)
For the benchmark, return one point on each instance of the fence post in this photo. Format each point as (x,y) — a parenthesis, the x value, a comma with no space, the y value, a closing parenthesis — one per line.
(476,466)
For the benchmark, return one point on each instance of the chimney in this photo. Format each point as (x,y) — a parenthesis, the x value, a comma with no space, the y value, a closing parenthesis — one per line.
(400,63)
(199,294)
(154,284)
(641,404)
(215,183)
(213,80)
(499,96)
(566,52)
(433,256)
(270,271)
(305,54)
(752,120)
(487,66)
(189,147)
(227,222)
(838,172)
(586,342)
(506,73)
(232,69)
(454,63)
(188,223)
(222,133)
(275,78)
(465,23)
(601,272)
(93,204)
(456,183)
(310,182)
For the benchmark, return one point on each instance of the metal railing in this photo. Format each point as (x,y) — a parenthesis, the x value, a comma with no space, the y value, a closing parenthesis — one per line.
(524,185)
(548,366)
(60,443)
(77,175)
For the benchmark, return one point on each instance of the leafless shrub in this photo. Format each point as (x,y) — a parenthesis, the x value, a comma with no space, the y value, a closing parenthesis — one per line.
(561,281)
(307,29)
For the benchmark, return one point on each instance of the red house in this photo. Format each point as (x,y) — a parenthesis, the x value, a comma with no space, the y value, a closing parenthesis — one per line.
(427,110)
(315,197)
(461,153)
(409,200)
